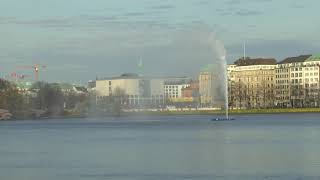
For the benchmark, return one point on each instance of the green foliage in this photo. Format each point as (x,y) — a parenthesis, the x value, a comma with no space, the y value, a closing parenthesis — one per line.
(10,98)
(49,97)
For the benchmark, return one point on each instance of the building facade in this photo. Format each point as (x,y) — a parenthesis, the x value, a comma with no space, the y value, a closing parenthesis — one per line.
(206,80)
(297,82)
(133,91)
(252,83)
(191,91)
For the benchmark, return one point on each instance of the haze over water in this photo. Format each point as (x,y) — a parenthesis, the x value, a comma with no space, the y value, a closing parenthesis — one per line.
(155,148)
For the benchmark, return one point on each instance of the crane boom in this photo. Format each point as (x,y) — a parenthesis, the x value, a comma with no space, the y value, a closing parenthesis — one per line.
(35,68)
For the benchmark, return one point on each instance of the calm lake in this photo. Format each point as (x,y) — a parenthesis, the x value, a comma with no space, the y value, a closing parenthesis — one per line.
(284,146)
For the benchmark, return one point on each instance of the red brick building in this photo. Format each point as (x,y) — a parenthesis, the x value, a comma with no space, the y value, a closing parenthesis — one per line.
(191,91)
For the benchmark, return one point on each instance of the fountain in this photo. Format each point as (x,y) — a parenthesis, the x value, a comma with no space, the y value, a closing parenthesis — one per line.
(220,53)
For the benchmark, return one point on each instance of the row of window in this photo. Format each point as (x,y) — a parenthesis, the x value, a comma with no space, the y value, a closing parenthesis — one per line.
(282,81)
(306,69)
(283,87)
(256,79)
(296,74)
(282,98)
(172,96)
(282,92)
(306,80)
(312,74)
(282,76)
(282,70)
(176,93)
(171,87)
(307,74)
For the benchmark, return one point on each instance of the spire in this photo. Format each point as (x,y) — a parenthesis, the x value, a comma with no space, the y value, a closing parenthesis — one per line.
(244,50)
(140,67)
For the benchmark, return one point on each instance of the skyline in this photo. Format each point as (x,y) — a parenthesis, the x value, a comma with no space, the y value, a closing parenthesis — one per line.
(79,40)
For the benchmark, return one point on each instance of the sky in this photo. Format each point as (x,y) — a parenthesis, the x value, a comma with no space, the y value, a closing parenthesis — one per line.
(79,40)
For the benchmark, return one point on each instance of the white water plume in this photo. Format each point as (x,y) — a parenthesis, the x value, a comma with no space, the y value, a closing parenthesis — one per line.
(220,80)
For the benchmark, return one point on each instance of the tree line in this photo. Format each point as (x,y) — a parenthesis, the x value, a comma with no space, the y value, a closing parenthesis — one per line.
(247,96)
(43,99)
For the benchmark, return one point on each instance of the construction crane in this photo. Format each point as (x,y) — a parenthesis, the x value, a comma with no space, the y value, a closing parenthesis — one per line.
(17,76)
(35,68)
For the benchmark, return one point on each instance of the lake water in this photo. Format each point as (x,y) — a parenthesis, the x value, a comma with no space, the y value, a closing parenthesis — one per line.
(285,146)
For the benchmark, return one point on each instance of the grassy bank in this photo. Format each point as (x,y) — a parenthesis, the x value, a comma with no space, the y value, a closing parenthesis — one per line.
(238,111)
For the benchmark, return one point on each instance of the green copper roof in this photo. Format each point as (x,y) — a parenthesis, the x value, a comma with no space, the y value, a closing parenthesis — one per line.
(209,68)
(314,58)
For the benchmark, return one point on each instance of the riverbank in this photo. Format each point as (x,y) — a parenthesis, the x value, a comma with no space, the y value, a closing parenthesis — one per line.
(184,112)
(234,111)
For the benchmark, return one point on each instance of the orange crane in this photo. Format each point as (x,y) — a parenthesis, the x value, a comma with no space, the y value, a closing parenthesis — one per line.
(17,76)
(35,68)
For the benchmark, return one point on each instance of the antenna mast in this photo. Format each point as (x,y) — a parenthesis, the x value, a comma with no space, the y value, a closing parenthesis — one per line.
(244,50)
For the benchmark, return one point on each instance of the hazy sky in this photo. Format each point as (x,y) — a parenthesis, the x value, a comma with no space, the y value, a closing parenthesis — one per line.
(81,39)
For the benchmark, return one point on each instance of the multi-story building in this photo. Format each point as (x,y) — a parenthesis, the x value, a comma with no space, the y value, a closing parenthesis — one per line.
(211,86)
(252,83)
(206,80)
(133,91)
(297,81)
(191,91)
(173,89)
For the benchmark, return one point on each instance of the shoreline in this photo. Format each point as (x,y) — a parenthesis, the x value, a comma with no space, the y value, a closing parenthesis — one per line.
(185,112)
(231,112)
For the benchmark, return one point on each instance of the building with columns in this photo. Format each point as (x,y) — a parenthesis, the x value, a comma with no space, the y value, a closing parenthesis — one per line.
(132,90)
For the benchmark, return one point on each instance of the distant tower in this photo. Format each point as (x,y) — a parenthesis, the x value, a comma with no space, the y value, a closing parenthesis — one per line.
(140,67)
(244,50)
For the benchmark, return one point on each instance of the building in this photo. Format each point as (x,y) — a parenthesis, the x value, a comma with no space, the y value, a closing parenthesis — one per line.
(132,90)
(211,86)
(173,88)
(297,81)
(91,86)
(252,83)
(205,87)
(191,91)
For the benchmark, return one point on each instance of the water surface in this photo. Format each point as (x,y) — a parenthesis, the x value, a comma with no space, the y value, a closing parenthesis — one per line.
(284,146)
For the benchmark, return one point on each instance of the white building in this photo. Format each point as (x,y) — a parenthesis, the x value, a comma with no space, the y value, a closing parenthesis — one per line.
(174,91)
(132,89)
(173,87)
(297,81)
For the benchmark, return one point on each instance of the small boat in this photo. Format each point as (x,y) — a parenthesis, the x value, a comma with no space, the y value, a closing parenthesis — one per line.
(223,119)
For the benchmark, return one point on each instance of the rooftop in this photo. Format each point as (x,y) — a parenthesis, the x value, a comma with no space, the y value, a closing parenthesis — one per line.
(135,76)
(314,58)
(255,61)
(301,58)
